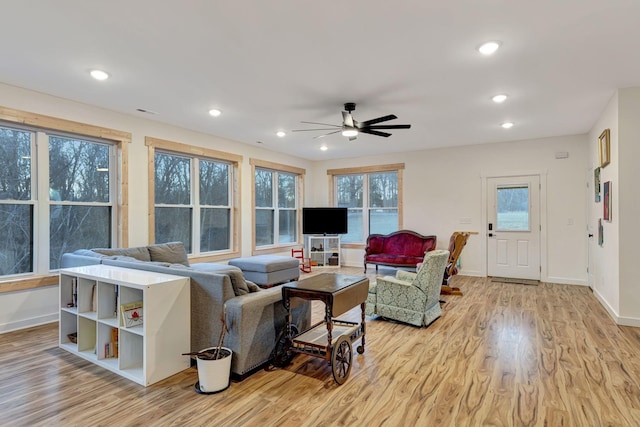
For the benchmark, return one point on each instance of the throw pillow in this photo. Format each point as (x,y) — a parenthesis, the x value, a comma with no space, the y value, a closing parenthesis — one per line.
(252,286)
(240,286)
(172,252)
(140,253)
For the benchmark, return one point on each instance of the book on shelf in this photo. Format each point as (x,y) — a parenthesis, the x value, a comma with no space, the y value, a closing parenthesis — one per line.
(114,342)
(132,314)
(94,299)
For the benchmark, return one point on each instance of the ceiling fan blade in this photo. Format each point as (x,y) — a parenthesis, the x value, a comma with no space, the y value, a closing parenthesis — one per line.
(326,134)
(388,127)
(375,132)
(324,124)
(347,119)
(378,120)
(305,130)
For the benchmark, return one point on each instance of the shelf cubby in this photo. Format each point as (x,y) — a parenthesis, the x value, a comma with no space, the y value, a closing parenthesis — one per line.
(145,354)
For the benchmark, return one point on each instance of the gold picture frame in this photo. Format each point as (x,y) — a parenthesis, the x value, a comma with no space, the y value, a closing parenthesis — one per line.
(604,148)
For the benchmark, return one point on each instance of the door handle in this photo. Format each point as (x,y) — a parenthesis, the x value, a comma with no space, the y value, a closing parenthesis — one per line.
(590,235)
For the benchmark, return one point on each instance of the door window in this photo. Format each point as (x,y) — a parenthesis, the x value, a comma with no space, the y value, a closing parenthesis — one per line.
(512,208)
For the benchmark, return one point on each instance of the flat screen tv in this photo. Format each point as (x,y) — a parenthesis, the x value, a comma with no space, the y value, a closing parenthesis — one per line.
(324,220)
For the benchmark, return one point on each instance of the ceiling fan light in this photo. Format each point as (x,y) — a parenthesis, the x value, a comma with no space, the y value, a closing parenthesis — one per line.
(281,134)
(499,98)
(489,48)
(349,132)
(99,74)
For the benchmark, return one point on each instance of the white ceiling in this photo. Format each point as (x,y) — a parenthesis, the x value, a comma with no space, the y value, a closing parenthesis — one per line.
(270,64)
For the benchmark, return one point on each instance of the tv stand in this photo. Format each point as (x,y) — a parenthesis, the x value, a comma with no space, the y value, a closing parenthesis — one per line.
(324,251)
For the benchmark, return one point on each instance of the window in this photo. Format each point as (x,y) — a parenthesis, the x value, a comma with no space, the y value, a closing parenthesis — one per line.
(194,198)
(80,196)
(372,196)
(513,208)
(276,204)
(53,200)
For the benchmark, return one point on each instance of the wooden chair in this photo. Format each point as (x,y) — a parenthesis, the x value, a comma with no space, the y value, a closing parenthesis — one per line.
(305,263)
(456,243)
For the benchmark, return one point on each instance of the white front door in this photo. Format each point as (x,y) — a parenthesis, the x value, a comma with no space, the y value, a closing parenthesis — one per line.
(513,229)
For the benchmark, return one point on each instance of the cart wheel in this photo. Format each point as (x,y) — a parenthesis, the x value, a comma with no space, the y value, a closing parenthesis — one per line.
(360,349)
(341,360)
(282,354)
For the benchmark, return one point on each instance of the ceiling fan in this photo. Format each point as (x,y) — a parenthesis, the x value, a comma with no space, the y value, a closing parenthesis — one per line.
(351,128)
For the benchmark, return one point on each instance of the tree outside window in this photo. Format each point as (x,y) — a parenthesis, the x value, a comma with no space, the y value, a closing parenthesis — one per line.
(276,207)
(372,202)
(189,204)
(74,211)
(80,209)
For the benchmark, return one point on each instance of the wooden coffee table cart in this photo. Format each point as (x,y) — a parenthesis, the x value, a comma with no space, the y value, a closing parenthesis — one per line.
(331,338)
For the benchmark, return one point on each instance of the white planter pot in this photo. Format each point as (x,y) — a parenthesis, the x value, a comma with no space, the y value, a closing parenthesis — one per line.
(214,375)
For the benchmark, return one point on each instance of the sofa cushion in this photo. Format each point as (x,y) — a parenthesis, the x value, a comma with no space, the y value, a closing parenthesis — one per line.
(88,252)
(211,267)
(139,253)
(394,259)
(172,252)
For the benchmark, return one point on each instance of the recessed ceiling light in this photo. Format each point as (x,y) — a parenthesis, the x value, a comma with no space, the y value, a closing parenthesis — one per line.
(99,75)
(281,134)
(499,98)
(507,125)
(489,47)
(350,132)
(324,148)
(215,112)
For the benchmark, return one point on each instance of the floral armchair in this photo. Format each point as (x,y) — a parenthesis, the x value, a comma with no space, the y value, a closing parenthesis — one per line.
(410,297)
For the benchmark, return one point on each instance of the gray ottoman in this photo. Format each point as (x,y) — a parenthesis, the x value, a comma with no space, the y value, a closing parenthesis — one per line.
(268,270)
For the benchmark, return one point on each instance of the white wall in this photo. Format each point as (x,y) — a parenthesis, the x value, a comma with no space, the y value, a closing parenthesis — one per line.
(613,264)
(628,202)
(27,308)
(604,259)
(443,187)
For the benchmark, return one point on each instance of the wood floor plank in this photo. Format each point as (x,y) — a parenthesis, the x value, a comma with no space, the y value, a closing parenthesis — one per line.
(501,355)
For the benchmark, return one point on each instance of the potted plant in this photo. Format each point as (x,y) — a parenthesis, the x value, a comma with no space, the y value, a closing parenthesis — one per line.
(214,365)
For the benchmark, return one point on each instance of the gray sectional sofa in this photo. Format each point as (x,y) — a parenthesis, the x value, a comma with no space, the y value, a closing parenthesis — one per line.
(254,316)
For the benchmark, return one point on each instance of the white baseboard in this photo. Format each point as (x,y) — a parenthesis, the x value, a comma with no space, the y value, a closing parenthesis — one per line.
(28,323)
(472,273)
(624,321)
(564,281)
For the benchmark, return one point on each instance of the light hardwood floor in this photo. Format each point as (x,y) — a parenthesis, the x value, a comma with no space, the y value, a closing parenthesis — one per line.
(501,355)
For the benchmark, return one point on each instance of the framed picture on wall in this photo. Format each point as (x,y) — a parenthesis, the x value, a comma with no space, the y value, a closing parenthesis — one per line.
(600,233)
(604,148)
(607,201)
(596,183)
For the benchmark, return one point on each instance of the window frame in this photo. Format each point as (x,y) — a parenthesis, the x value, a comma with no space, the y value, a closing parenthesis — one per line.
(14,118)
(333,175)
(200,153)
(299,174)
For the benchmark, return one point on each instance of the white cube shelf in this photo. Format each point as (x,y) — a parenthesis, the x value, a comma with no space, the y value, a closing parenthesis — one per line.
(146,353)
(324,251)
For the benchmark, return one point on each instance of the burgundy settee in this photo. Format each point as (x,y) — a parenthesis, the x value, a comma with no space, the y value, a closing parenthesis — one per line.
(402,248)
